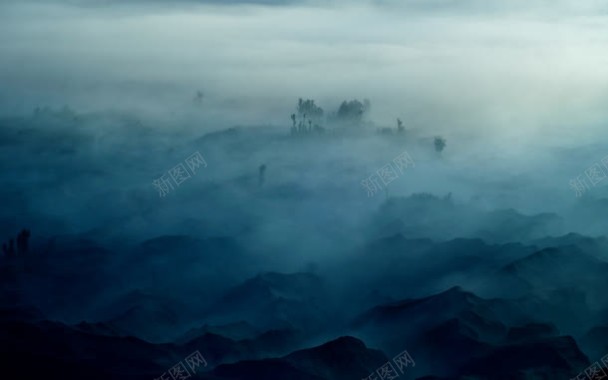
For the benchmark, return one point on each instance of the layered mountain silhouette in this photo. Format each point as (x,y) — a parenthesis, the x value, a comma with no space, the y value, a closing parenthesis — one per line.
(293,278)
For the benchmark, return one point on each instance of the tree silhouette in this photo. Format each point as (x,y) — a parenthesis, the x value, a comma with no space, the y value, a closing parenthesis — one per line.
(262,171)
(198,98)
(294,129)
(307,113)
(352,111)
(439,144)
(308,107)
(22,241)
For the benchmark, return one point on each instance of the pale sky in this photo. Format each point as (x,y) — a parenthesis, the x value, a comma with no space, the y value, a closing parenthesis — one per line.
(470,63)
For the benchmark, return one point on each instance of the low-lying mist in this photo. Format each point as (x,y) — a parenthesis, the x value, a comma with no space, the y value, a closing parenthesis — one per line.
(482,126)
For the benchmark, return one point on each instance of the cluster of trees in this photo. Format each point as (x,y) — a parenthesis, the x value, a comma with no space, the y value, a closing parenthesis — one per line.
(310,116)
(308,107)
(22,244)
(353,111)
(308,113)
